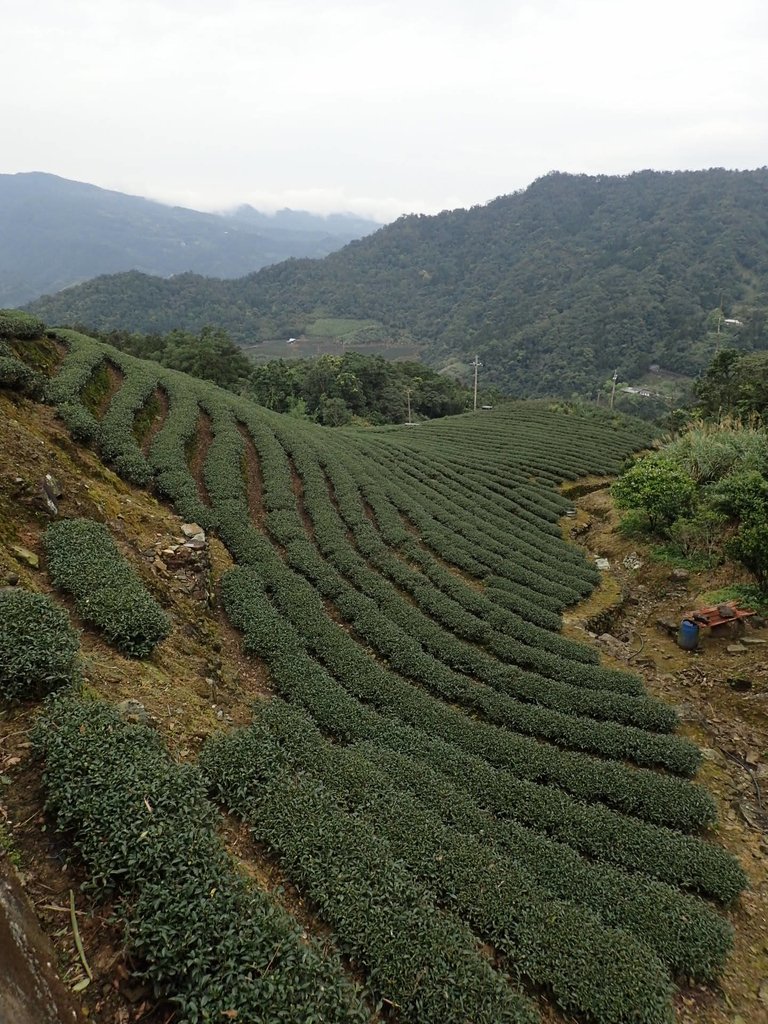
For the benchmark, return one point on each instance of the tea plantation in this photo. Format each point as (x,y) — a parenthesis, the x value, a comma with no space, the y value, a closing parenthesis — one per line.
(486,818)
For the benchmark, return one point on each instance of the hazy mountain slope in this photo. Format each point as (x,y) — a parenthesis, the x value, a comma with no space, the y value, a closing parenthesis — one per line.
(554,286)
(55,233)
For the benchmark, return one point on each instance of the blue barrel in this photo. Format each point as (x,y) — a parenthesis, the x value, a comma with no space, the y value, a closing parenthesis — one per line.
(688,635)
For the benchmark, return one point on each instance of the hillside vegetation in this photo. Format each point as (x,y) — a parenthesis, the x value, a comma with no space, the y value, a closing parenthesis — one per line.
(438,770)
(55,233)
(555,287)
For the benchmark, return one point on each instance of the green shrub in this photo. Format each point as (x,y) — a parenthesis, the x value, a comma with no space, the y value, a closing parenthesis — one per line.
(147,834)
(750,547)
(81,424)
(84,560)
(17,376)
(38,646)
(16,324)
(658,487)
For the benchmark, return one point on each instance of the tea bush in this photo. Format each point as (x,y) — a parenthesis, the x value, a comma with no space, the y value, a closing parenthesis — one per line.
(84,561)
(147,835)
(16,324)
(38,646)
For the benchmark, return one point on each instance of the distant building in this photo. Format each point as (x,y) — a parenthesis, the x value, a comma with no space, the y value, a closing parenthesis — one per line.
(643,392)
(290,341)
(734,323)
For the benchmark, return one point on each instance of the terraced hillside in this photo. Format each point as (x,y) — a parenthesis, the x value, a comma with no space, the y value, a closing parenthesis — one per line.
(488,824)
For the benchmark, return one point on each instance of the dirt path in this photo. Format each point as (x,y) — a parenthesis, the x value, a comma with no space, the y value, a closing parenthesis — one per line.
(722,699)
(198,452)
(151,418)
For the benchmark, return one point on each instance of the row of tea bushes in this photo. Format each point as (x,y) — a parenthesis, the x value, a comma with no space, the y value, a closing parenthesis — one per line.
(600,972)
(418,959)
(84,561)
(38,646)
(142,824)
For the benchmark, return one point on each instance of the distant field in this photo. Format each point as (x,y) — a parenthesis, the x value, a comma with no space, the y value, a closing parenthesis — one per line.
(314,345)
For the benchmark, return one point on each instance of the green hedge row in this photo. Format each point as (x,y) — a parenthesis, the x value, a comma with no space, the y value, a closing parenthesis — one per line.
(483,618)
(83,560)
(334,544)
(687,935)
(418,959)
(38,646)
(640,792)
(15,375)
(602,973)
(16,324)
(147,833)
(117,441)
(597,831)
(168,454)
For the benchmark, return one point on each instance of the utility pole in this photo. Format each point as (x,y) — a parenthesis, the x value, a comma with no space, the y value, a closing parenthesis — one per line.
(476,364)
(408,395)
(614,378)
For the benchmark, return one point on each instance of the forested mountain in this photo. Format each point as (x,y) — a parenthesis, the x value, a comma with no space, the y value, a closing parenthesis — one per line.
(55,233)
(554,286)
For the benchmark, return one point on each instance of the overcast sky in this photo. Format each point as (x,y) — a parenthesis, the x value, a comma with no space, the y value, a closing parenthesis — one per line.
(382,107)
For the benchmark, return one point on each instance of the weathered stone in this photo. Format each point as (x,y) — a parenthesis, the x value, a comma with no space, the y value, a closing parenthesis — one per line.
(668,626)
(736,649)
(196,544)
(32,992)
(752,640)
(192,530)
(26,556)
(134,711)
(52,487)
(50,505)
(679,574)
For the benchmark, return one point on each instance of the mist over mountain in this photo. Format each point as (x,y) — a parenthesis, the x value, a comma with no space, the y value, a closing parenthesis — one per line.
(55,233)
(554,287)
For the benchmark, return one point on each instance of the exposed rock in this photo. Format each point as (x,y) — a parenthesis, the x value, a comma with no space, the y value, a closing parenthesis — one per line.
(26,556)
(632,561)
(668,626)
(196,543)
(602,563)
(31,992)
(192,530)
(736,649)
(134,711)
(50,505)
(52,487)
(679,574)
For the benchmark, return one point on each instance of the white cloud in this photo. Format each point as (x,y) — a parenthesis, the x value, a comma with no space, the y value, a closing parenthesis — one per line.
(383,106)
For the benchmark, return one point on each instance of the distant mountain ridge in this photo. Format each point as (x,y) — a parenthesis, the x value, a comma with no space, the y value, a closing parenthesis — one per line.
(55,233)
(554,287)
